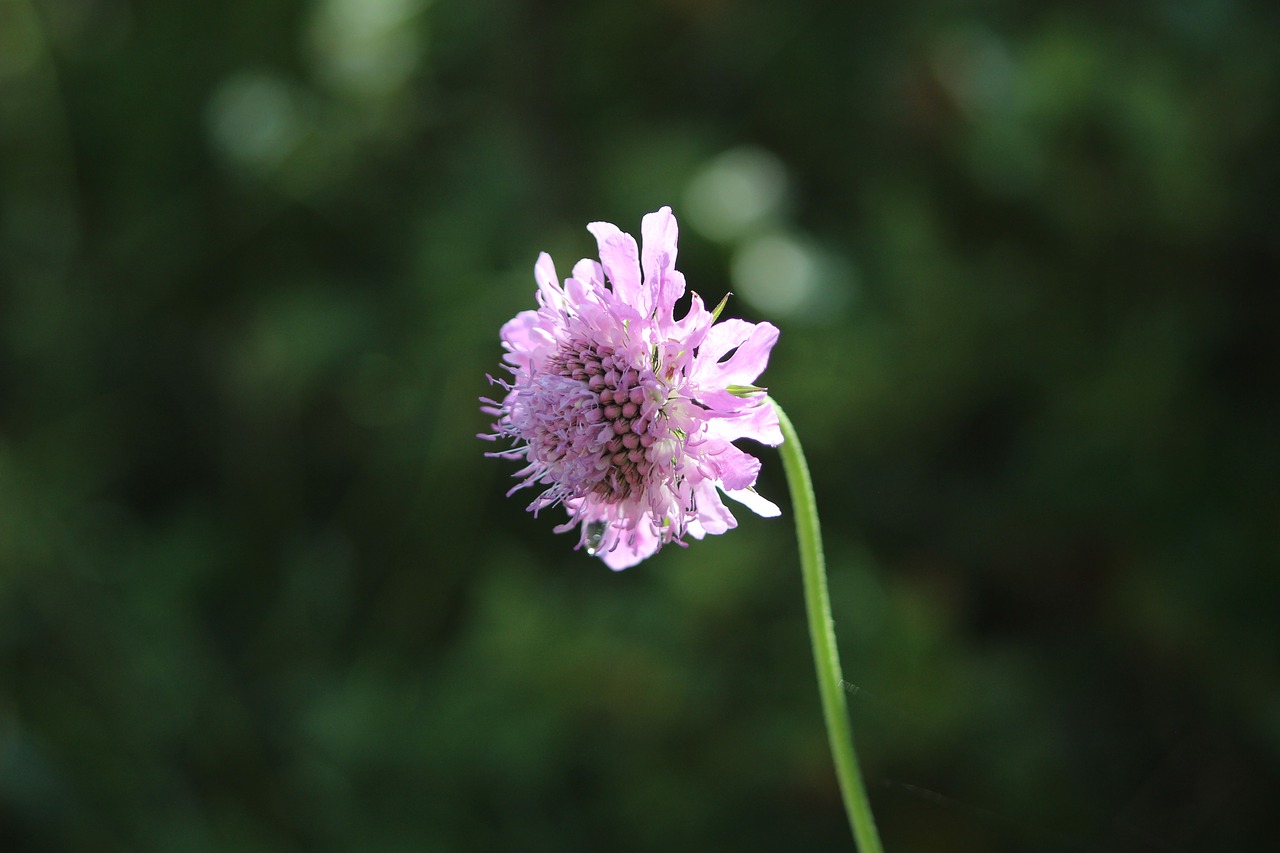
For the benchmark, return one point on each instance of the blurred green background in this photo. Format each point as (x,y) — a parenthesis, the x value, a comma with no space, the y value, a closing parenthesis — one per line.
(260,590)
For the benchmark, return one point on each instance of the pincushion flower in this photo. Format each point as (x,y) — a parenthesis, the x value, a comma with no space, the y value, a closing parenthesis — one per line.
(625,415)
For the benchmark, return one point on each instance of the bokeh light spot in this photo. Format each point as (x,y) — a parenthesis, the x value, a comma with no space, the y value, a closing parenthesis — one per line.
(257,119)
(782,275)
(736,193)
(366,47)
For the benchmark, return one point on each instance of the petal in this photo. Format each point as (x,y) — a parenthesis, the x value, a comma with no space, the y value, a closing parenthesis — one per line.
(692,327)
(736,468)
(752,500)
(722,337)
(588,272)
(753,342)
(585,287)
(619,256)
(544,272)
(670,288)
(758,422)
(712,515)
(576,290)
(632,547)
(522,335)
(659,233)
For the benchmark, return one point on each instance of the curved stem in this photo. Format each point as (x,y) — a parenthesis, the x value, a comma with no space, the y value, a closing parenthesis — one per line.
(822,635)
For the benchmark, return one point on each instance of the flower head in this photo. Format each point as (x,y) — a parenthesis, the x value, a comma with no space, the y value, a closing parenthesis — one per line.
(625,414)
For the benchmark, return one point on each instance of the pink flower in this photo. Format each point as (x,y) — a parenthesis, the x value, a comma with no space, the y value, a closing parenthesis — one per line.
(625,414)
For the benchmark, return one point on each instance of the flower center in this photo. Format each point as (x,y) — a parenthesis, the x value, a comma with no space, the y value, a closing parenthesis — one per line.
(598,415)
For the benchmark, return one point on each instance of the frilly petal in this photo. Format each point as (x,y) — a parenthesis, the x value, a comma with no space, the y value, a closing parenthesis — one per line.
(713,516)
(523,335)
(736,468)
(692,327)
(620,259)
(631,547)
(544,272)
(753,501)
(659,234)
(757,421)
(753,342)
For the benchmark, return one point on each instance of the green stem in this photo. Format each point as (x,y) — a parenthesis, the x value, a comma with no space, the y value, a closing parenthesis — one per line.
(822,635)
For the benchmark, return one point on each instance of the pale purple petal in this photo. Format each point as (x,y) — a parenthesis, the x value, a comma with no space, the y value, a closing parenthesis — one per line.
(632,547)
(753,342)
(544,272)
(589,272)
(692,327)
(736,468)
(752,500)
(658,233)
(576,291)
(523,335)
(620,259)
(723,337)
(758,422)
(713,516)
(672,288)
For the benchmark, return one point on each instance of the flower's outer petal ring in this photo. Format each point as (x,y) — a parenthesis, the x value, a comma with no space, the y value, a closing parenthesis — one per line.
(659,234)
(753,501)
(620,259)
(632,547)
(736,468)
(753,342)
(713,516)
(757,421)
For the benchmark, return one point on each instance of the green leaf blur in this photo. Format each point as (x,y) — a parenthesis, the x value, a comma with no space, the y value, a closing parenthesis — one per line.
(260,589)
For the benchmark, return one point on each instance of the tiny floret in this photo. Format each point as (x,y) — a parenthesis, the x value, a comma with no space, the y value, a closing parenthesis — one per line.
(625,415)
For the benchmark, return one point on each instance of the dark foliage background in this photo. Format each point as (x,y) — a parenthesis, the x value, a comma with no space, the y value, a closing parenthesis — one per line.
(259,589)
